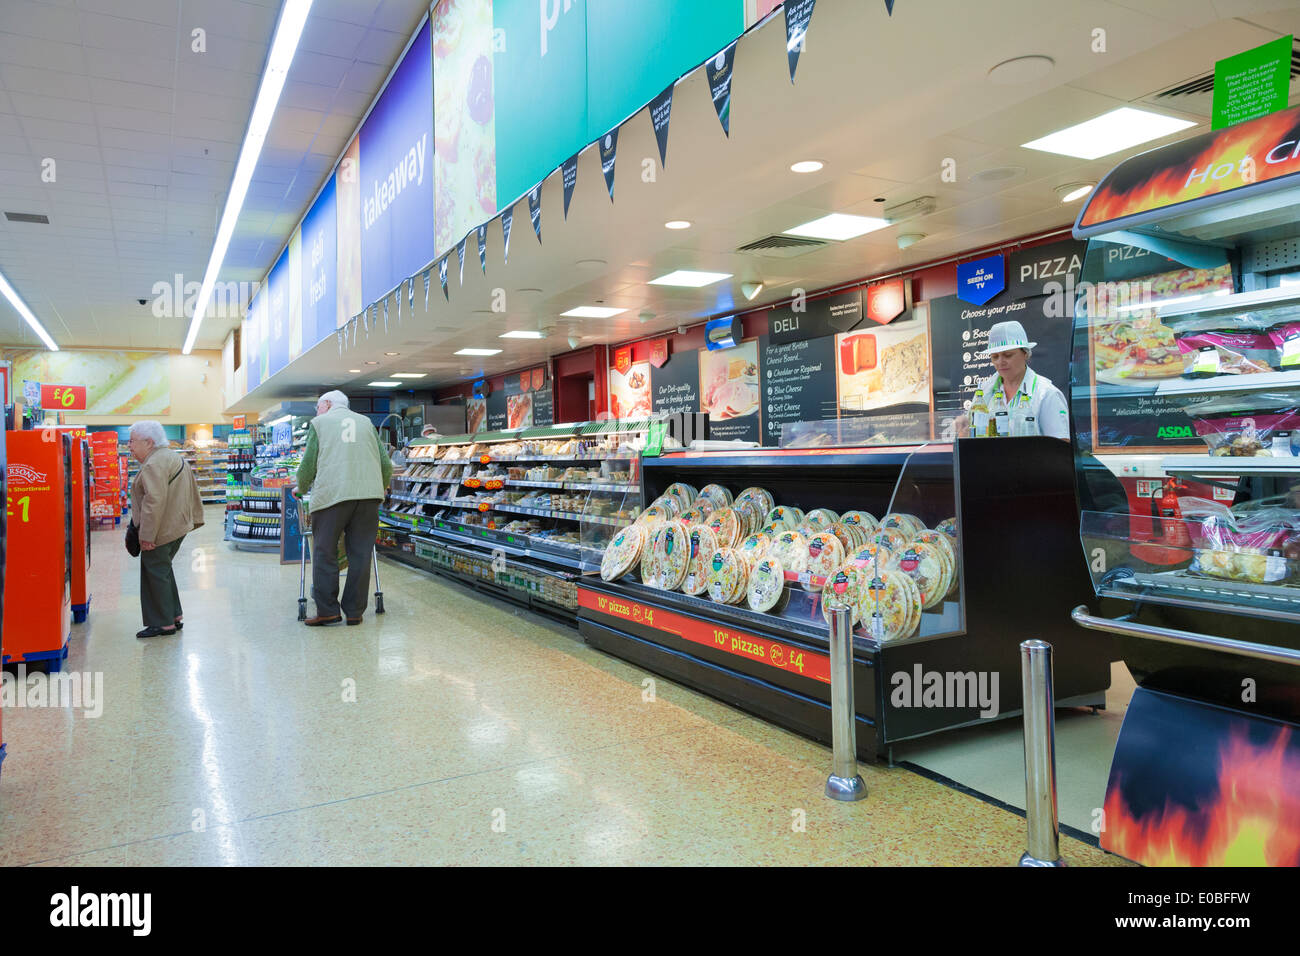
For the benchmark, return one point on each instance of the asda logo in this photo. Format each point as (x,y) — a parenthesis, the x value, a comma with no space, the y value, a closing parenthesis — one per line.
(1175,431)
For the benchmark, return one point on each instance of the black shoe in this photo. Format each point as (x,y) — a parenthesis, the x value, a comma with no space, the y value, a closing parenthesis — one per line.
(155,632)
(180,625)
(353,621)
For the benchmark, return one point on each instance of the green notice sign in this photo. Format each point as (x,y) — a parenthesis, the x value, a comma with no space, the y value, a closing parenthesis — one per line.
(1254,83)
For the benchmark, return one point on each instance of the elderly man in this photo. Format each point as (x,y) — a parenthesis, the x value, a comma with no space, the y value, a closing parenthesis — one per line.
(165,506)
(345,469)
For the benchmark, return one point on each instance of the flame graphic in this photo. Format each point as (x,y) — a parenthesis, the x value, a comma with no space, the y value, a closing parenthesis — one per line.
(1254,820)
(1159,178)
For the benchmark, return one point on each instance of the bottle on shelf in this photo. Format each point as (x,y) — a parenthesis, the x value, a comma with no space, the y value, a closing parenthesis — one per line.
(979,415)
(1000,417)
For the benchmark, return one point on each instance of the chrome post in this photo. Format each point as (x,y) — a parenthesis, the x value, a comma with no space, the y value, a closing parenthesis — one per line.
(1044,836)
(844,783)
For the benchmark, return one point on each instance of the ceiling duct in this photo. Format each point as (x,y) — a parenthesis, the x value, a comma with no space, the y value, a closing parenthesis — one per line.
(27,217)
(780,247)
(1197,95)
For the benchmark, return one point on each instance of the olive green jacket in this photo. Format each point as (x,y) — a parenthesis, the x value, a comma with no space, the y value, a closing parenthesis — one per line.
(344,460)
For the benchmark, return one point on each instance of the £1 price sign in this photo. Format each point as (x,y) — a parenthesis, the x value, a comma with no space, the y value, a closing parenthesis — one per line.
(63,397)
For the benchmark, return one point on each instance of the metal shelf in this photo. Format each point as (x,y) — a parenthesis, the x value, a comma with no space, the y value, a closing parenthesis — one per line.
(1261,382)
(1237,302)
(507,548)
(1214,465)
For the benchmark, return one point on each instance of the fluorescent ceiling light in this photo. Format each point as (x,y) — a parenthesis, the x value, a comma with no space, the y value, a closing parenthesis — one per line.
(355,371)
(280,421)
(525,334)
(806,166)
(592,312)
(409,374)
(26,313)
(293,16)
(1109,133)
(838,226)
(385,384)
(479,352)
(677,224)
(687,279)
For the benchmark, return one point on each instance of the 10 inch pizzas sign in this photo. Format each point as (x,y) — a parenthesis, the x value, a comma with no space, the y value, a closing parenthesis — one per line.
(749,646)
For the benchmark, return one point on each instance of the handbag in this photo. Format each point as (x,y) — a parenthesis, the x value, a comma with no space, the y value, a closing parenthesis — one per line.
(133,529)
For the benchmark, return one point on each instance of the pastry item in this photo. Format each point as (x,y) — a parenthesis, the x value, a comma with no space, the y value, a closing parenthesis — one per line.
(703,544)
(791,549)
(725,525)
(825,554)
(766,584)
(622,554)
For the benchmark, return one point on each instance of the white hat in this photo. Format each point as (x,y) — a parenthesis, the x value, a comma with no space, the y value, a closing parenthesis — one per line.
(1006,336)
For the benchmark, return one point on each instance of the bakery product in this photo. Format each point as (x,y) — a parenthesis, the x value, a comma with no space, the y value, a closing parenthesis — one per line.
(622,554)
(825,554)
(672,545)
(703,544)
(928,567)
(725,525)
(727,576)
(908,524)
(719,496)
(844,590)
(885,607)
(755,545)
(766,584)
(791,549)
(948,526)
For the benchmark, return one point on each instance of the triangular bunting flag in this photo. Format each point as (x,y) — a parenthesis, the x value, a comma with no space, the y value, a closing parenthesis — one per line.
(569,173)
(661,110)
(797,15)
(339,335)
(460,252)
(535,210)
(889,6)
(507,221)
(482,247)
(400,286)
(426,287)
(608,154)
(410,295)
(442,278)
(718,70)
(365,321)
(385,315)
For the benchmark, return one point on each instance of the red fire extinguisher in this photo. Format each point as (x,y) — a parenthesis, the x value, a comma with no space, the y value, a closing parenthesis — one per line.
(1174,532)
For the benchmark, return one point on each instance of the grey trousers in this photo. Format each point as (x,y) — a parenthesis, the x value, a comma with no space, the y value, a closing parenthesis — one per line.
(160,602)
(358,523)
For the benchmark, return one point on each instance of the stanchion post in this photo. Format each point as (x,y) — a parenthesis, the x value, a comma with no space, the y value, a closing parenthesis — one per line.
(1044,837)
(844,783)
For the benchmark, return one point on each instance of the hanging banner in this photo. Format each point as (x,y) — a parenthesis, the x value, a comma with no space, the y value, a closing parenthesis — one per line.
(569,173)
(816,318)
(719,72)
(623,359)
(507,220)
(320,268)
(886,301)
(661,111)
(535,210)
(460,254)
(981,280)
(1030,271)
(608,154)
(482,247)
(442,279)
(659,352)
(797,15)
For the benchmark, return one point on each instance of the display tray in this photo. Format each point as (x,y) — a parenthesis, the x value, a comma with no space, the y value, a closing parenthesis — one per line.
(1191,466)
(1175,584)
(521,544)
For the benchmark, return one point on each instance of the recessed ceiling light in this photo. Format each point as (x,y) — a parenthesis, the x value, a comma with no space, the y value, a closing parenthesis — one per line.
(806,166)
(687,279)
(590,263)
(372,363)
(677,224)
(1072,191)
(592,312)
(385,384)
(1109,133)
(838,226)
(1021,69)
(293,17)
(996,174)
(392,353)
(479,352)
(409,374)
(354,371)
(522,335)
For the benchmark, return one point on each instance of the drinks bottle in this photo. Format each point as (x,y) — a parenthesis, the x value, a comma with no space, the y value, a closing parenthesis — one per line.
(979,415)
(999,421)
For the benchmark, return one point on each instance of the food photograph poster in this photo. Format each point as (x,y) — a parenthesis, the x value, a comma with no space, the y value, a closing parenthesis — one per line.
(881,368)
(629,391)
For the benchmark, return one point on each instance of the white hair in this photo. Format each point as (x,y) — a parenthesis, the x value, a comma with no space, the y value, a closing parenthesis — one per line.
(335,398)
(153,431)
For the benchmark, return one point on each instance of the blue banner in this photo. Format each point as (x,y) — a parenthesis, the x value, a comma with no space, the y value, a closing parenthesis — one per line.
(277,315)
(320,268)
(253,338)
(981,280)
(397,175)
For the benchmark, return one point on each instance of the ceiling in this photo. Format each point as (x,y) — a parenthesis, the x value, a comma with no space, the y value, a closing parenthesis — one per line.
(882,101)
(144,133)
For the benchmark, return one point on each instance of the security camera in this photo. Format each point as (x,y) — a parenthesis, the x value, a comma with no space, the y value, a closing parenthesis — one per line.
(681,330)
(143,301)
(574,341)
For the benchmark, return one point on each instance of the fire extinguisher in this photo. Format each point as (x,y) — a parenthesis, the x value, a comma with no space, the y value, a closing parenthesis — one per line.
(1174,531)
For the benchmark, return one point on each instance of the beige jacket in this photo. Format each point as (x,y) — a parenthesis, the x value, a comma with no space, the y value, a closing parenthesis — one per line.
(165,511)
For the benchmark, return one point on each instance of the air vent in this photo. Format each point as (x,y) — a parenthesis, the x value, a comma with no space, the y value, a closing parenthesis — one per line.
(1197,95)
(781,247)
(27,217)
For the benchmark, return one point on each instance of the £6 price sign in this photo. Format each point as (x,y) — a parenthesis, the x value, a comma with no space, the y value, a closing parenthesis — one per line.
(63,397)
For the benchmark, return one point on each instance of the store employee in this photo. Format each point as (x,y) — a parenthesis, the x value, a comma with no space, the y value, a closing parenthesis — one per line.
(1028,395)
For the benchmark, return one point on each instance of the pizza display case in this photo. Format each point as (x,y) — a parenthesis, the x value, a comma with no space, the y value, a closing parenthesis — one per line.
(1187,357)
(1008,511)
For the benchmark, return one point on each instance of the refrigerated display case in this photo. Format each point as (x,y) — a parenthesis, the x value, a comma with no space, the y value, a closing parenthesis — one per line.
(978,556)
(38,560)
(1187,360)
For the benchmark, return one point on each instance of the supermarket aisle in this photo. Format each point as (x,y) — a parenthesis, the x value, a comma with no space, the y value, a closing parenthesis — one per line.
(449,730)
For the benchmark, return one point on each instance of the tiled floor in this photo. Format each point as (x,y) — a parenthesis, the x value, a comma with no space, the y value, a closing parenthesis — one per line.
(451,730)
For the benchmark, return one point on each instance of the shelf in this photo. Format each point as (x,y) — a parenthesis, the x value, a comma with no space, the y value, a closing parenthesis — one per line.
(1214,465)
(599,486)
(1272,600)
(526,483)
(612,457)
(490,540)
(1238,302)
(1261,382)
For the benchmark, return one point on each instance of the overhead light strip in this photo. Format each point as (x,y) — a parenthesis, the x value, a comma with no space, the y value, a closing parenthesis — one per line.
(293,17)
(16,301)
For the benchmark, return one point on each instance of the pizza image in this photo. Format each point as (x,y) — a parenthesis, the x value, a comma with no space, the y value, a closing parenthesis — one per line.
(519,411)
(1141,348)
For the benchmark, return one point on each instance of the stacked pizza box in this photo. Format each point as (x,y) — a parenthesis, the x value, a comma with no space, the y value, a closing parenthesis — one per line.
(106,492)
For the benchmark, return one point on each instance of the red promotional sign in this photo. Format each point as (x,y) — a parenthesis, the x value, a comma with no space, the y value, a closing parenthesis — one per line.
(623,359)
(659,352)
(63,397)
(524,379)
(241,421)
(539,378)
(886,301)
(749,646)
